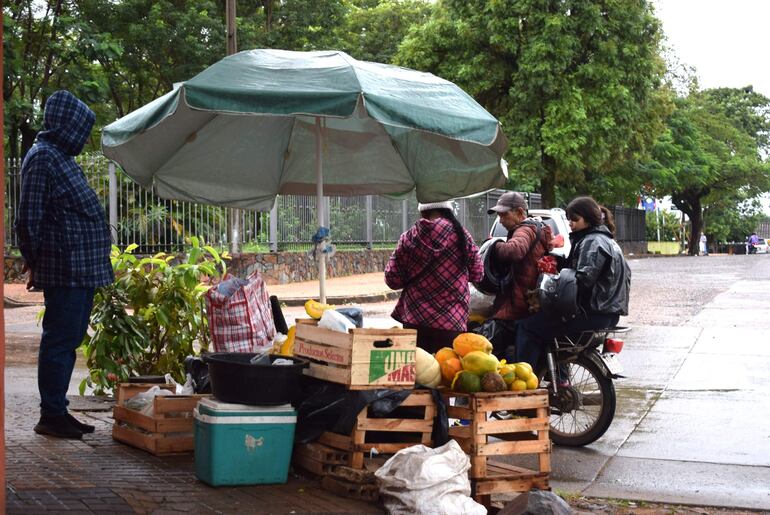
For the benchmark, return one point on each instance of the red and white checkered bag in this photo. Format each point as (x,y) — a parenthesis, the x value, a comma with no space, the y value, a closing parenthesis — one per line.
(242,322)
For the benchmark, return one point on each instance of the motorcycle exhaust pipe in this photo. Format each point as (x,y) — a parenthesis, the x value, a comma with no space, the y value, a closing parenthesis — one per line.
(552,371)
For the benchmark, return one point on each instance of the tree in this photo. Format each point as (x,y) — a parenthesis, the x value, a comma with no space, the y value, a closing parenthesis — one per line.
(666,221)
(374,29)
(577,84)
(40,56)
(711,154)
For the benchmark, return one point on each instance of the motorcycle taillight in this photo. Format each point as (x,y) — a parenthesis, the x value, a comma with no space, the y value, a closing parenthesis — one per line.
(613,345)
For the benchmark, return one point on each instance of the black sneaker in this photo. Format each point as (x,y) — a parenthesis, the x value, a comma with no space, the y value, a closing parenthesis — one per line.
(84,428)
(58,426)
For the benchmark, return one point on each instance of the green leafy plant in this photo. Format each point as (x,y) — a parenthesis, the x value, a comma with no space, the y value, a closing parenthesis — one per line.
(151,317)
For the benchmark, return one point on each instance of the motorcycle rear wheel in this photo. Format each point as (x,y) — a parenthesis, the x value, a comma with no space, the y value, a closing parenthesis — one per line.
(583,411)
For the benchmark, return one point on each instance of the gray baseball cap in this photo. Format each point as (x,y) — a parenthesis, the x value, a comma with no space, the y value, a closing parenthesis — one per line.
(508,201)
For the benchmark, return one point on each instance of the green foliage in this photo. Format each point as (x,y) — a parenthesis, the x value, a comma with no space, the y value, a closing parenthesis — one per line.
(373,30)
(147,321)
(670,226)
(576,84)
(710,158)
(726,221)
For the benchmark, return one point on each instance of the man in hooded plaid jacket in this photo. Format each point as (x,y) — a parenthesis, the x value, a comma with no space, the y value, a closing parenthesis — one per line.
(65,241)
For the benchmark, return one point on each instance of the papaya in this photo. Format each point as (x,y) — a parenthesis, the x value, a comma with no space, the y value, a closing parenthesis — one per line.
(449,369)
(479,362)
(315,309)
(466,382)
(493,382)
(444,354)
(469,342)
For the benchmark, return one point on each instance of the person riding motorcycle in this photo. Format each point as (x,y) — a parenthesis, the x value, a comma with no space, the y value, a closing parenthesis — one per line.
(603,279)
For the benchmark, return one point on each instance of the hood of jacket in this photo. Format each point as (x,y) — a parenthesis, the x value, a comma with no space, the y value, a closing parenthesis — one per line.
(429,238)
(67,123)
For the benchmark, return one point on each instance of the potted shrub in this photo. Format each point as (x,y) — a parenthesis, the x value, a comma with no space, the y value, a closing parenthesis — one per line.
(151,317)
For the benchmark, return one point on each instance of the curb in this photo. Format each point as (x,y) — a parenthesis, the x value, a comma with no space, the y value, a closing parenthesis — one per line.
(345,299)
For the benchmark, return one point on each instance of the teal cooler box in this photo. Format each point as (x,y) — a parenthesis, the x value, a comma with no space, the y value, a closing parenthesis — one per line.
(236,444)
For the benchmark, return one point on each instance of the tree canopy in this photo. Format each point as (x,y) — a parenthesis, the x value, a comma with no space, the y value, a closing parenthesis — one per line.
(120,55)
(576,84)
(711,156)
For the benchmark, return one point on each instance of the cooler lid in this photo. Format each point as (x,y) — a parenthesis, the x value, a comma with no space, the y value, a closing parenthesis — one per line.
(211,406)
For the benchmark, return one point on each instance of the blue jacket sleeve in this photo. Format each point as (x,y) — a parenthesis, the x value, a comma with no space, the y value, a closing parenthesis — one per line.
(34,194)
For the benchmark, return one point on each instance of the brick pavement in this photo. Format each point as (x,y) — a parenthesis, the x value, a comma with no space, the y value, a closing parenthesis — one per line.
(99,475)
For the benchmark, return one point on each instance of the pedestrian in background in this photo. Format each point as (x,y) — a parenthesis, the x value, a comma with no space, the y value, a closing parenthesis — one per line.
(433,263)
(65,242)
(704,247)
(752,243)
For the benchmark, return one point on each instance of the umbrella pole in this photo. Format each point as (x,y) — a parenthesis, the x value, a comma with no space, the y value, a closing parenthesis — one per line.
(320,205)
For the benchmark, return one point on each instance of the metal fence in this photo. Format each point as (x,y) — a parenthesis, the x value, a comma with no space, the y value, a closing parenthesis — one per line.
(139,216)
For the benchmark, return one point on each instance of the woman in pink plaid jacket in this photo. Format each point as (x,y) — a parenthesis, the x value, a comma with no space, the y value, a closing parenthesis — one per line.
(433,263)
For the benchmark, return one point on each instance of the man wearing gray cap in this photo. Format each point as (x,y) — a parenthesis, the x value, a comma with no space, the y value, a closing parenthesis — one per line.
(527,243)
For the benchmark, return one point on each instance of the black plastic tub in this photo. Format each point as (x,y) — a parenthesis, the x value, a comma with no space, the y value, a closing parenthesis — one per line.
(235,380)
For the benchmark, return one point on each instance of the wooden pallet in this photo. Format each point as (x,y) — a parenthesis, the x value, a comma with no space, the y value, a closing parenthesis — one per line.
(525,435)
(387,435)
(168,431)
(319,459)
(361,359)
(336,476)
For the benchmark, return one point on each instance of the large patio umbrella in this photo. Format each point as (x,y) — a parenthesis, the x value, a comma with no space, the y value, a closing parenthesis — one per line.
(265,122)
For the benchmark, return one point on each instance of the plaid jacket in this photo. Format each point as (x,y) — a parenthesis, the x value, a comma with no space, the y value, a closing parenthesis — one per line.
(63,234)
(428,265)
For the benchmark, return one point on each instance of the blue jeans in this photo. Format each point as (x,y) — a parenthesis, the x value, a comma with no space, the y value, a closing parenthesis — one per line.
(65,323)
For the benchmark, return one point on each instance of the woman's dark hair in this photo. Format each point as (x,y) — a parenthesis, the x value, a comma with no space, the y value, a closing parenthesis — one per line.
(590,211)
(449,215)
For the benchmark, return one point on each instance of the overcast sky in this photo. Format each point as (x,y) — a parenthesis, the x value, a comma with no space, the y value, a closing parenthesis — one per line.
(727,41)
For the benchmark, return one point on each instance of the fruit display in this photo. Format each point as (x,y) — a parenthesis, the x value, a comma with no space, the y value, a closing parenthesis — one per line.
(469,367)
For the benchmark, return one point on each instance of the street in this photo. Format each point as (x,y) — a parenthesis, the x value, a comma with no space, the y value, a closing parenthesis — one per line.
(691,425)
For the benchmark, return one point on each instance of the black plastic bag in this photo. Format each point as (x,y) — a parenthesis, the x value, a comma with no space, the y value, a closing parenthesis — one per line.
(332,407)
(199,371)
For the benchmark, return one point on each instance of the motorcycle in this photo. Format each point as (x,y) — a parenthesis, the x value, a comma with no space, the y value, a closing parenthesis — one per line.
(579,378)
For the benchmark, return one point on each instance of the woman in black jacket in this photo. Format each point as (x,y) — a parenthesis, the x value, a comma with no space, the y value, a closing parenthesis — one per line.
(603,276)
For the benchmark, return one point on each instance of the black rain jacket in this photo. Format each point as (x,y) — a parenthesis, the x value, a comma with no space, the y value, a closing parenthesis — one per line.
(603,276)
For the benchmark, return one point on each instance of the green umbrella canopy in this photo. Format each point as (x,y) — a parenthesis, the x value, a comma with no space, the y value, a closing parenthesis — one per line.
(247,128)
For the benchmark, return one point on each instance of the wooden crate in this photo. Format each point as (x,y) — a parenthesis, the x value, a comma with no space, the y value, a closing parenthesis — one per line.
(387,435)
(360,359)
(525,435)
(168,431)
